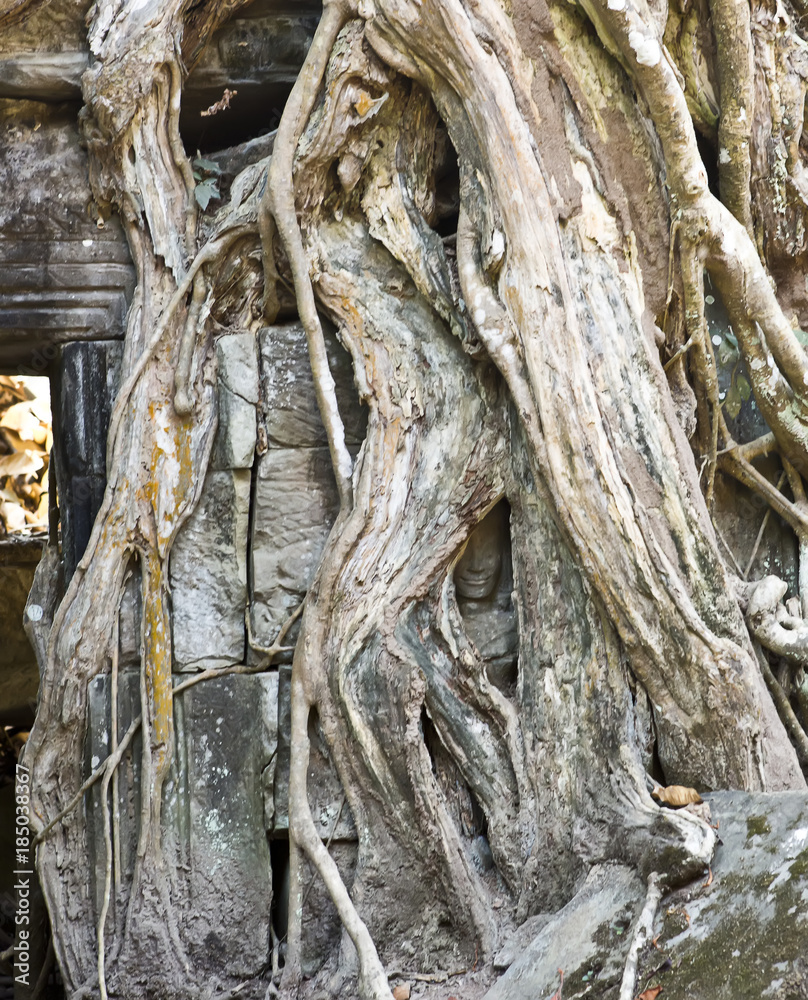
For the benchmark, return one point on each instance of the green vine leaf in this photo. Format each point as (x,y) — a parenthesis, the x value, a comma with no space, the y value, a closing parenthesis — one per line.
(205,191)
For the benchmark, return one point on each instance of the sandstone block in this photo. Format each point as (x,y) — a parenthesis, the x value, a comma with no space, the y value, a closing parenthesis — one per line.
(237,359)
(295,505)
(287,386)
(208,575)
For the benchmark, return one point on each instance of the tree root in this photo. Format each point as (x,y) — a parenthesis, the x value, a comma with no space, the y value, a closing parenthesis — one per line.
(735,63)
(209,253)
(183,402)
(279,202)
(643,932)
(788,716)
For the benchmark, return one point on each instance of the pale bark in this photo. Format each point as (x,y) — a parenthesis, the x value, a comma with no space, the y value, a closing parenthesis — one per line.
(518,358)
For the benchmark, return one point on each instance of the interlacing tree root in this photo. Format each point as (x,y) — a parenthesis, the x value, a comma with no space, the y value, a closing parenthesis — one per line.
(505,347)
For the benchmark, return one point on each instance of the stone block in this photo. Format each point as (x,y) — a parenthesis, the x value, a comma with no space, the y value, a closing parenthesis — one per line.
(331,813)
(294,506)
(287,388)
(84,395)
(80,500)
(62,278)
(89,379)
(97,749)
(745,933)
(208,574)
(590,933)
(227,731)
(237,392)
(129,621)
(213,832)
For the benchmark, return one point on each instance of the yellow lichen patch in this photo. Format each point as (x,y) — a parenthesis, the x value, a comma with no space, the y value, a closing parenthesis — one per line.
(172,471)
(157,661)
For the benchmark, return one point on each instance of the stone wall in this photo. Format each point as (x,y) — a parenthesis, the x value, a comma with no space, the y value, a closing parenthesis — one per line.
(249,550)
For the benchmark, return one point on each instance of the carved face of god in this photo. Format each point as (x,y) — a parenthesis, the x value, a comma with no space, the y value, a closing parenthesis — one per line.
(477,572)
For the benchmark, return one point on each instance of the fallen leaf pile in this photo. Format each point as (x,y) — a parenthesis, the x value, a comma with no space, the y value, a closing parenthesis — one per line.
(25,443)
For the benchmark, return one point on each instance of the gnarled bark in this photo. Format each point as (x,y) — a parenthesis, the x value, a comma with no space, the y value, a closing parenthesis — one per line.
(516,358)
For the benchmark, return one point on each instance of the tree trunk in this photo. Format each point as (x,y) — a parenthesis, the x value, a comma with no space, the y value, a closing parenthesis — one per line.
(503,208)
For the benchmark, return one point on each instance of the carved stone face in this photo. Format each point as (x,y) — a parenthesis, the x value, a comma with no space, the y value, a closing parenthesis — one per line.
(477,573)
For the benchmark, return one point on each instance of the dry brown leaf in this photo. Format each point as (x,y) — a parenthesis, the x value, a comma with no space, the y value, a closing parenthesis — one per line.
(21,419)
(16,443)
(676,795)
(13,387)
(650,994)
(12,516)
(20,463)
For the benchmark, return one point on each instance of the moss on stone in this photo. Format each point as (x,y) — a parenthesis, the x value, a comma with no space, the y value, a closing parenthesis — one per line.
(757,826)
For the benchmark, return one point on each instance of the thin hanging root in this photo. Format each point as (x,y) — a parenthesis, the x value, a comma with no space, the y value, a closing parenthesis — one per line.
(102,917)
(183,402)
(675,226)
(302,832)
(737,466)
(277,646)
(279,201)
(801,504)
(643,932)
(679,353)
(759,538)
(705,367)
(116,805)
(111,824)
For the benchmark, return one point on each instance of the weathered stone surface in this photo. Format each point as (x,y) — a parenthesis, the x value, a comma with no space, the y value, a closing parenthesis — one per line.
(209,575)
(589,937)
(744,936)
(255,50)
(237,391)
(741,937)
(129,622)
(287,387)
(89,379)
(97,749)
(331,813)
(213,832)
(294,506)
(228,729)
(44,54)
(86,387)
(519,939)
(62,278)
